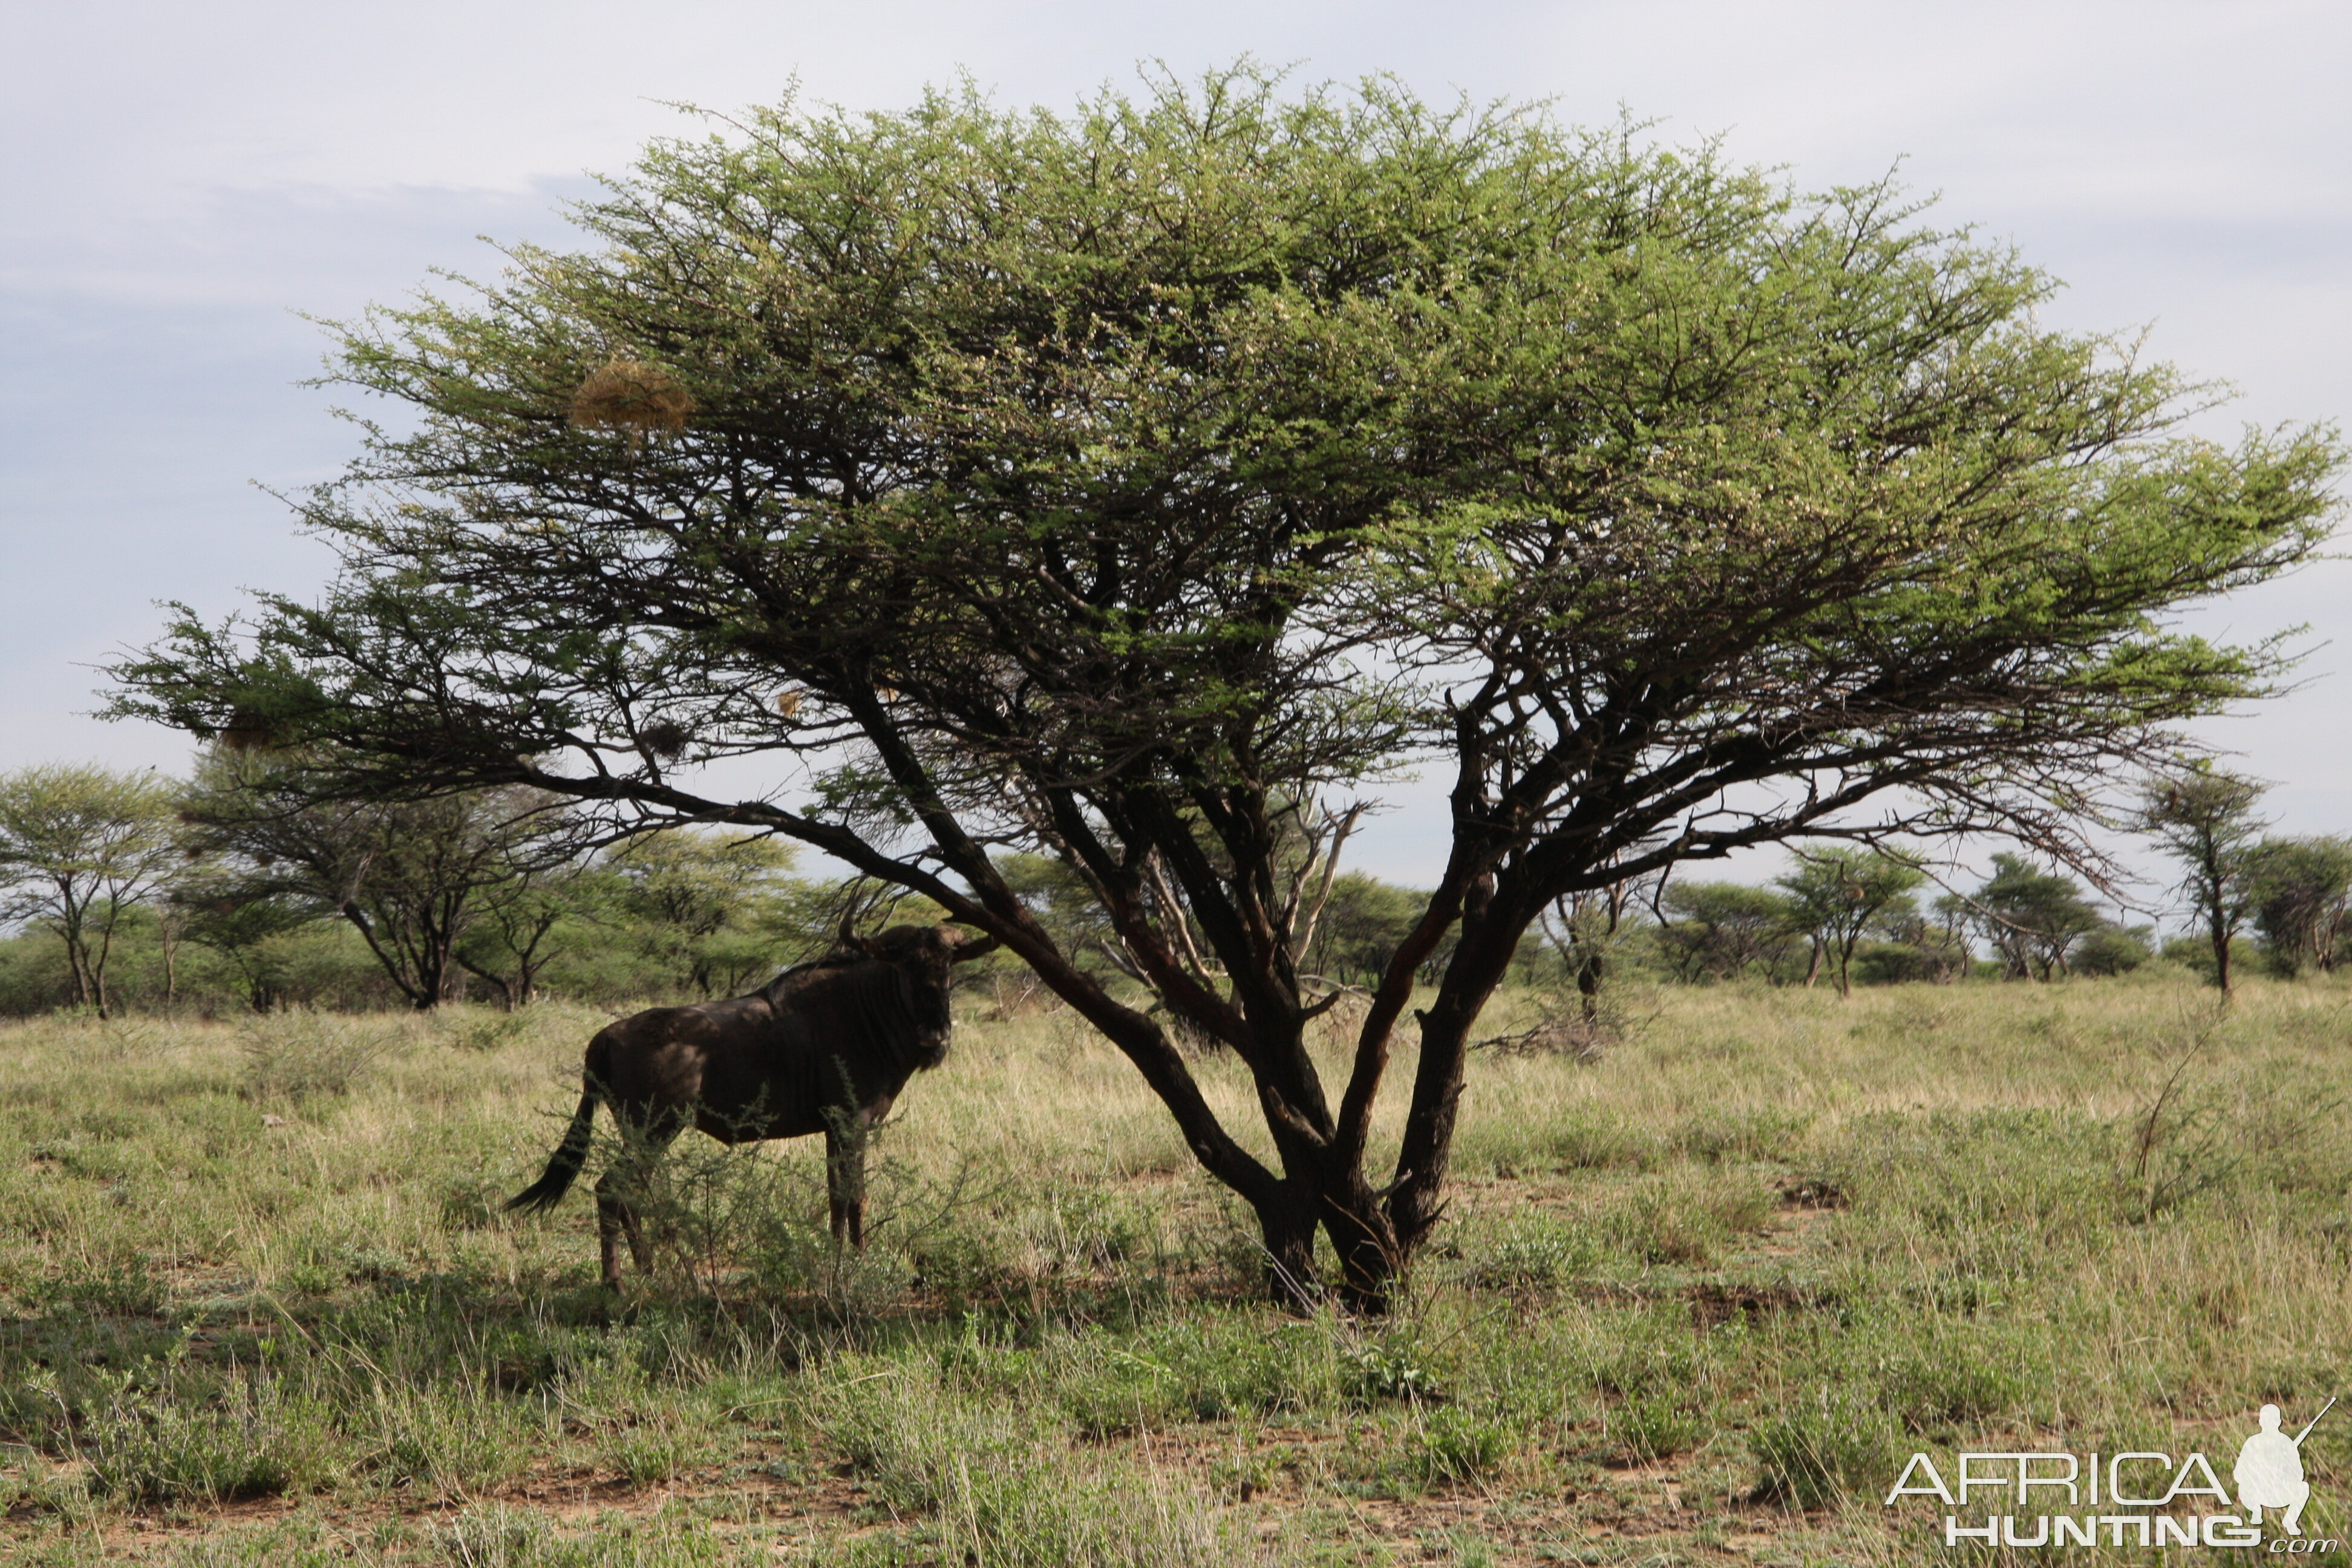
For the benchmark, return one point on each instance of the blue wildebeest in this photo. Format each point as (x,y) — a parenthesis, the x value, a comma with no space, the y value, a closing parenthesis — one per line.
(823,1048)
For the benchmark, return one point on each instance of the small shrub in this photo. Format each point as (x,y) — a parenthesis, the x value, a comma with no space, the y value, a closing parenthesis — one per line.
(1454,1444)
(487,1032)
(445,1442)
(117,1287)
(1814,1455)
(1654,1426)
(1118,1401)
(1592,1141)
(1763,1135)
(1671,1227)
(962,1262)
(307,1056)
(1229,1366)
(1947,1383)
(648,1455)
(477,1203)
(1534,1259)
(1391,1368)
(255,1440)
(1647,1355)
(492,1537)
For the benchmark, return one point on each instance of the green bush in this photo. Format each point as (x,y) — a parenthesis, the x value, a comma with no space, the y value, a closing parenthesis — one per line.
(253,1439)
(1452,1444)
(2115,950)
(1817,1452)
(307,1056)
(1656,1425)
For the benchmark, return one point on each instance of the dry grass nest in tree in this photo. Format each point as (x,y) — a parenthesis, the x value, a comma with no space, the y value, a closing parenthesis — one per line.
(250,729)
(666,738)
(633,395)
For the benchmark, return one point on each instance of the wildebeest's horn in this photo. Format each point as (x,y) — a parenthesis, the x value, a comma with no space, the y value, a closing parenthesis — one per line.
(968,944)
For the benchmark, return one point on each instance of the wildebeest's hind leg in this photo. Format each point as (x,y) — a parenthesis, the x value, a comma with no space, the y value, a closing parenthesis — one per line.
(642,1139)
(845,1177)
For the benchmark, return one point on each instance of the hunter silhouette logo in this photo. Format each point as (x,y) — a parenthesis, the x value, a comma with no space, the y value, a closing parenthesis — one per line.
(2269,1472)
(2121,1493)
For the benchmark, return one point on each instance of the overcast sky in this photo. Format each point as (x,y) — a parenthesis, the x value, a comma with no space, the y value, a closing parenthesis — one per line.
(184,185)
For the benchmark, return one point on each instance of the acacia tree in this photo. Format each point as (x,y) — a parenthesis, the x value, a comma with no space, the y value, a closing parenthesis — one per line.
(2301,893)
(80,847)
(1584,927)
(697,901)
(2204,817)
(1724,929)
(522,923)
(1133,486)
(409,875)
(2034,918)
(1836,894)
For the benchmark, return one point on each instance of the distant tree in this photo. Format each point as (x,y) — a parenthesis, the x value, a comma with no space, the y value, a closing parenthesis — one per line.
(2034,918)
(2113,949)
(80,847)
(220,908)
(408,875)
(526,921)
(1586,927)
(1916,945)
(1838,893)
(1364,922)
(2204,817)
(2301,891)
(707,906)
(1060,901)
(1722,930)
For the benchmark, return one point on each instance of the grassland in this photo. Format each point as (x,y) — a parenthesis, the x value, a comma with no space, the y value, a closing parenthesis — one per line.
(1695,1300)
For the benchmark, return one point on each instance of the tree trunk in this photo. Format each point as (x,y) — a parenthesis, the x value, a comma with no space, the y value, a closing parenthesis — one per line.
(76,953)
(1416,1202)
(1287,1233)
(1814,965)
(98,963)
(171,967)
(1589,975)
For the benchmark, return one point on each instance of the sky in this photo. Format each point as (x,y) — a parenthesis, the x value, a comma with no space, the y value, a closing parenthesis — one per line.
(189,189)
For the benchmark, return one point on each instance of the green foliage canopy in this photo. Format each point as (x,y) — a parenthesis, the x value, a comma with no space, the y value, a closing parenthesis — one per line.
(2035,919)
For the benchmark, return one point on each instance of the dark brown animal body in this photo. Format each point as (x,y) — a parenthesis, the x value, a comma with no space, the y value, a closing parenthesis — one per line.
(825,1048)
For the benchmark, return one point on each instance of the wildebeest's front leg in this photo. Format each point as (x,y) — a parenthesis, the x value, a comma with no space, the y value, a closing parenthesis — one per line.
(642,1143)
(846,1132)
(845,1178)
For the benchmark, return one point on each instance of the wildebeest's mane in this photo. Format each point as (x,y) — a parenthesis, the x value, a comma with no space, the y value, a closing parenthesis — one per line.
(882,1000)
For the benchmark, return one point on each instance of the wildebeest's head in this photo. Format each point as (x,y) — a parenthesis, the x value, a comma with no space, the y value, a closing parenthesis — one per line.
(926,957)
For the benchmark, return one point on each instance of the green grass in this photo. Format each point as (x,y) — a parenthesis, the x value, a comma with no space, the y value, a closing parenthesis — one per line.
(1696,1299)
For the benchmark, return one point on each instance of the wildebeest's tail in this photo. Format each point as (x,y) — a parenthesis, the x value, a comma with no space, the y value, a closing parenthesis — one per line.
(570,1156)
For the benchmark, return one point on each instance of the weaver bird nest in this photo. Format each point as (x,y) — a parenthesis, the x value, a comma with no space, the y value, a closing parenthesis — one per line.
(631,395)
